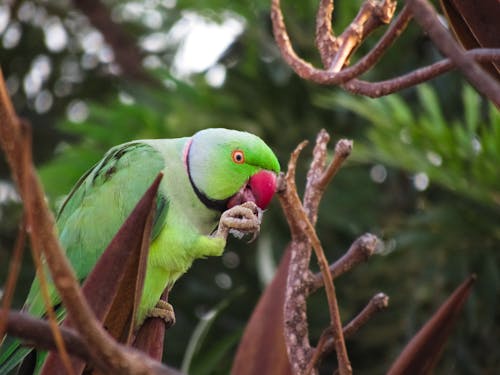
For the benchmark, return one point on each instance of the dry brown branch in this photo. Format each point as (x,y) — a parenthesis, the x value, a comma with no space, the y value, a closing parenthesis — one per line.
(427,17)
(10,284)
(301,282)
(381,88)
(359,252)
(306,70)
(325,343)
(44,288)
(373,56)
(342,151)
(318,177)
(335,321)
(378,302)
(325,38)
(335,51)
(15,137)
(311,197)
(295,318)
(37,333)
(371,15)
(318,352)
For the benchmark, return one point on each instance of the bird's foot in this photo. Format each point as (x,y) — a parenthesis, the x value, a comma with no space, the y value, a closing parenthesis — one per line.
(163,310)
(240,220)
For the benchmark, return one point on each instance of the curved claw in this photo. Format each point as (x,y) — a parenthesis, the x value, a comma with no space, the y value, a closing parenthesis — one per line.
(254,236)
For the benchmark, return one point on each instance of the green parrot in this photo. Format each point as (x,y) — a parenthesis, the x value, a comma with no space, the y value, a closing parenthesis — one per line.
(214,182)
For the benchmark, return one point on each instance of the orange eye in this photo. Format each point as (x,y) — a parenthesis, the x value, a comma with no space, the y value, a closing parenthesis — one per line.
(238,156)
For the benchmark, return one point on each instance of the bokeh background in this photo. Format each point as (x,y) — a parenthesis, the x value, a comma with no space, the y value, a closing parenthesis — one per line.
(423,176)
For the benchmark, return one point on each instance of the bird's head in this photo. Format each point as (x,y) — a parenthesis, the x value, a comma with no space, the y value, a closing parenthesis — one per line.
(229,167)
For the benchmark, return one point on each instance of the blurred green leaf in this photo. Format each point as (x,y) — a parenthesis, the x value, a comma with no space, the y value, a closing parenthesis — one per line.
(200,333)
(458,155)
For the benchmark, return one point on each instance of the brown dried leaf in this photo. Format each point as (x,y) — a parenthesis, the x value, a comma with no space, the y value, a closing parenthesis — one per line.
(421,354)
(113,288)
(262,348)
(475,24)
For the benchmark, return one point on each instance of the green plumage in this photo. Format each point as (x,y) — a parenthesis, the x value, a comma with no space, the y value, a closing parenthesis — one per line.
(103,198)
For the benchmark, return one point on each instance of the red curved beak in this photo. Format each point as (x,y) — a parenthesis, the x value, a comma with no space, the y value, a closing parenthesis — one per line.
(260,189)
(263,186)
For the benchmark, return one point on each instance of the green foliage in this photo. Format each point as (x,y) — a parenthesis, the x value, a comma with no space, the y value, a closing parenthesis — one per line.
(208,362)
(460,155)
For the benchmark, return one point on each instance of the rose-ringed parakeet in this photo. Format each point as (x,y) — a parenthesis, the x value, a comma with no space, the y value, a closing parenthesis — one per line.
(213,182)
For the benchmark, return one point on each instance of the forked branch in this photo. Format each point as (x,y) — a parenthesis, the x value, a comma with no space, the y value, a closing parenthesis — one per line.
(336,51)
(301,282)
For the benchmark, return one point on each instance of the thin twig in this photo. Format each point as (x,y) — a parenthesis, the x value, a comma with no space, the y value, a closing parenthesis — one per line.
(295,228)
(325,38)
(382,88)
(345,50)
(359,252)
(342,357)
(304,69)
(427,17)
(371,15)
(312,197)
(343,149)
(318,178)
(10,284)
(379,302)
(326,345)
(49,309)
(374,55)
(319,350)
(25,172)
